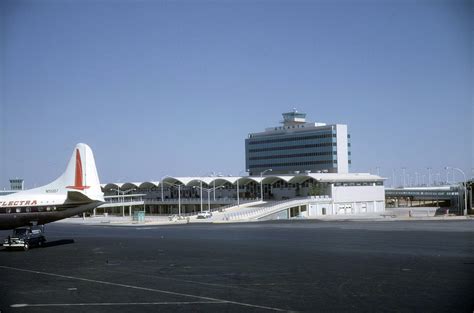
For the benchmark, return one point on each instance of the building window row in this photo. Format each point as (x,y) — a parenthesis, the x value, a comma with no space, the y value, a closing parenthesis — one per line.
(296,155)
(317,145)
(255,142)
(272,165)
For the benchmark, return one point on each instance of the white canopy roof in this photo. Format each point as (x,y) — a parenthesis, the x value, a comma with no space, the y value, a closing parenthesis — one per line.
(242,180)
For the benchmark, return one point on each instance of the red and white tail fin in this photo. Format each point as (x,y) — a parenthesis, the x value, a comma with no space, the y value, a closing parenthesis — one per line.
(80,175)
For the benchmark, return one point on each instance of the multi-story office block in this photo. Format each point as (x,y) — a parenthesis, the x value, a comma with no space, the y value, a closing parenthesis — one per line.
(298,146)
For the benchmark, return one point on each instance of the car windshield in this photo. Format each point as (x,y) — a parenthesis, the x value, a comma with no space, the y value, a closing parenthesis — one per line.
(20,232)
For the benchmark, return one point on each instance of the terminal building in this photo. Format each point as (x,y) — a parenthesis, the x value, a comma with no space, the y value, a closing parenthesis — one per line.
(298,195)
(298,169)
(299,146)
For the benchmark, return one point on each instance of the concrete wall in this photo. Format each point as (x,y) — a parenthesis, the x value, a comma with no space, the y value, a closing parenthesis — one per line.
(282,215)
(342,149)
(320,209)
(357,193)
(347,208)
(351,200)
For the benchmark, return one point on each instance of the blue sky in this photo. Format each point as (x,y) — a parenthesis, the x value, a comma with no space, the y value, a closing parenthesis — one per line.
(174,87)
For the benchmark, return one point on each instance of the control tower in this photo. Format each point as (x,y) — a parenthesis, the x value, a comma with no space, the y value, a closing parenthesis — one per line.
(293,118)
(16,184)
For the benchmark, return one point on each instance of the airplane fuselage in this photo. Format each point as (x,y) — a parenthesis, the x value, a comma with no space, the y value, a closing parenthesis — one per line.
(16,213)
(77,190)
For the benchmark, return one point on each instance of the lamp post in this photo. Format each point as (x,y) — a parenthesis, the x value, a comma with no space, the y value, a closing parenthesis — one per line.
(238,187)
(447,175)
(179,196)
(238,196)
(404,169)
(161,183)
(465,186)
(200,193)
(429,176)
(261,180)
(123,198)
(208,190)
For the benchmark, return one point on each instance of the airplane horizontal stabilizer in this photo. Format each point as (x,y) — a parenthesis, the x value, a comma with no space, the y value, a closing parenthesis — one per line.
(78,197)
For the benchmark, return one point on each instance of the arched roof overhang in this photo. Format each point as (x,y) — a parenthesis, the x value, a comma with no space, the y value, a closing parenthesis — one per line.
(196,181)
(111,186)
(298,179)
(173,181)
(220,181)
(148,184)
(273,179)
(248,179)
(128,186)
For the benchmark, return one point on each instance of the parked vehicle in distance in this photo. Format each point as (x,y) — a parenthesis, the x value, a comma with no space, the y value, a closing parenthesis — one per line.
(25,237)
(204,214)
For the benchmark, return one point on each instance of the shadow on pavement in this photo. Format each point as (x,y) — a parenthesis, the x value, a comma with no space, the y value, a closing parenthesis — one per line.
(58,243)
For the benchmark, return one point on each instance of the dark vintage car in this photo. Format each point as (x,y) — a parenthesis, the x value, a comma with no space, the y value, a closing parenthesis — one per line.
(25,237)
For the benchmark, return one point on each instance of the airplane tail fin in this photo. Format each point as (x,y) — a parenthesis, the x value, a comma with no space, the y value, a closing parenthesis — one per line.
(80,175)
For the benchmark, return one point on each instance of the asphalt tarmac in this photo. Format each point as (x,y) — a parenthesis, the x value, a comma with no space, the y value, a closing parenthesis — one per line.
(306,266)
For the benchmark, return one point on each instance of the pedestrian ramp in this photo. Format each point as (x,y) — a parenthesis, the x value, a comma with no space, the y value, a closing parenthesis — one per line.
(270,209)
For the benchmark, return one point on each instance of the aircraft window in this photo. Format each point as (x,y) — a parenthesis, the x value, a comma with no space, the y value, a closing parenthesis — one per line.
(8,210)
(28,209)
(18,210)
(48,208)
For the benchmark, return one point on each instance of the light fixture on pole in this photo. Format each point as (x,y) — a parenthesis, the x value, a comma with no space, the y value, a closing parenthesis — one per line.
(429,176)
(123,198)
(200,192)
(179,195)
(261,182)
(465,186)
(238,196)
(208,190)
(403,173)
(161,183)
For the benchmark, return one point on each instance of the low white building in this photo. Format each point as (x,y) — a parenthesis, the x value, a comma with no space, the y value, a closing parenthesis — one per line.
(317,194)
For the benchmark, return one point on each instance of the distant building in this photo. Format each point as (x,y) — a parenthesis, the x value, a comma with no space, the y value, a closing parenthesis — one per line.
(298,146)
(16,184)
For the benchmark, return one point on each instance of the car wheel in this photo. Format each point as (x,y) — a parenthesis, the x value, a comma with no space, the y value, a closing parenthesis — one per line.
(26,246)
